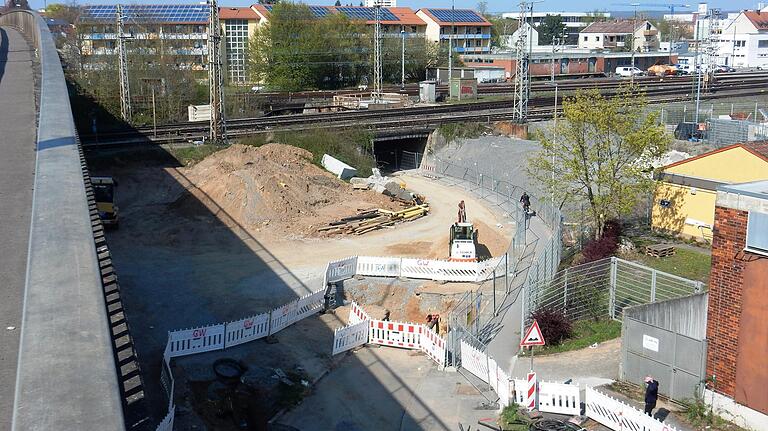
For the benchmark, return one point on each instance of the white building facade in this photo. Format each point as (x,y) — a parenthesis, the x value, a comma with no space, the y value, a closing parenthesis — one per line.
(744,42)
(618,35)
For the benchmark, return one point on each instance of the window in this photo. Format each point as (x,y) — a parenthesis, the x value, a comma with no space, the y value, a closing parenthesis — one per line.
(585,38)
(762,43)
(757,233)
(597,38)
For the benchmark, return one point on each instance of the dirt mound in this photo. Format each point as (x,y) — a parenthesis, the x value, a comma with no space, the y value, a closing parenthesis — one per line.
(275,185)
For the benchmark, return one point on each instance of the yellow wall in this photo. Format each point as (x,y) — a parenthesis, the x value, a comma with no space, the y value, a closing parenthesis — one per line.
(683,205)
(735,165)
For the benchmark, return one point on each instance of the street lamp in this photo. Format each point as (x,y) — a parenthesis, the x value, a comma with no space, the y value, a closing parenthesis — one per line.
(402,60)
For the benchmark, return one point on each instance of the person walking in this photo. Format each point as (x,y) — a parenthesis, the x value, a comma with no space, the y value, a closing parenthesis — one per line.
(462,213)
(651,395)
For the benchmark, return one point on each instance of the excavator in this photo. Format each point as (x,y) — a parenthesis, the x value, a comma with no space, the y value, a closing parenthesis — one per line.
(463,239)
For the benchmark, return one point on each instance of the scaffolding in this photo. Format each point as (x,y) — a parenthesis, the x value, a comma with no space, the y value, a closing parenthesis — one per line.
(125,89)
(218,130)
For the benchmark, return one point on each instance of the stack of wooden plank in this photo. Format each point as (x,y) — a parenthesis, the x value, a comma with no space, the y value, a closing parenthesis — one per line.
(660,250)
(375,218)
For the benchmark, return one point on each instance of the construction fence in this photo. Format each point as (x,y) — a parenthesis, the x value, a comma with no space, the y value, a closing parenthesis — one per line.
(725,122)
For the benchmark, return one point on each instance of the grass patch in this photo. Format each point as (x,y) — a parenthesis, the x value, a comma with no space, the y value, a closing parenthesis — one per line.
(510,419)
(188,156)
(698,414)
(685,263)
(453,131)
(585,333)
(350,146)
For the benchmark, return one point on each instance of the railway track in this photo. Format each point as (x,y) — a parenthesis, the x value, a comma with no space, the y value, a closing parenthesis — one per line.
(540,108)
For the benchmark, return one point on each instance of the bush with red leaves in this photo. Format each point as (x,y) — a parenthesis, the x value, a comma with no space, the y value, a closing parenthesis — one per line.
(554,324)
(604,247)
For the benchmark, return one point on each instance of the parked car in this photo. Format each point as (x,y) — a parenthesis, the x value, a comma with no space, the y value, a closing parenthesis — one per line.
(724,69)
(627,71)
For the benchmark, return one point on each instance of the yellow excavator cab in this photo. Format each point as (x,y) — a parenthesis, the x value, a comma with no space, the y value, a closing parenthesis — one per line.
(104,192)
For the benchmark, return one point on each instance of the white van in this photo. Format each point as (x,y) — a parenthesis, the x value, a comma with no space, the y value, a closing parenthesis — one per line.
(627,71)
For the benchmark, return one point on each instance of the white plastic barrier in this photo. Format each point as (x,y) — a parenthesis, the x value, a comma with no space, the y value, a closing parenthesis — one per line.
(378,266)
(619,416)
(197,340)
(281,317)
(357,314)
(434,346)
(519,391)
(309,304)
(350,337)
(245,330)
(504,390)
(485,268)
(559,398)
(395,334)
(339,270)
(474,360)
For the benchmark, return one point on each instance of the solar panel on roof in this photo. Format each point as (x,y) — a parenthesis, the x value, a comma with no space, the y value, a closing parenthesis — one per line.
(148,13)
(457,15)
(317,11)
(367,13)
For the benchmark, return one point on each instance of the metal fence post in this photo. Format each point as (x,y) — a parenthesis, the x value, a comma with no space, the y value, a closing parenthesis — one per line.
(565,290)
(506,268)
(494,291)
(653,285)
(612,300)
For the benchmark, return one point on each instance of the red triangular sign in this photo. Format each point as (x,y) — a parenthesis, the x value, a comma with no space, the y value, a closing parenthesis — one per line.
(533,337)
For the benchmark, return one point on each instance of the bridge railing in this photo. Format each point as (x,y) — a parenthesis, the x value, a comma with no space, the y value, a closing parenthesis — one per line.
(66,378)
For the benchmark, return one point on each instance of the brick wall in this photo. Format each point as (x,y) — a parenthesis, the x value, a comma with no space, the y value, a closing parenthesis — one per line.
(725,292)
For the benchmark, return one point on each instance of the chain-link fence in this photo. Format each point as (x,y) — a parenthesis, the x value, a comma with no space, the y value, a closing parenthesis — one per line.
(477,309)
(604,288)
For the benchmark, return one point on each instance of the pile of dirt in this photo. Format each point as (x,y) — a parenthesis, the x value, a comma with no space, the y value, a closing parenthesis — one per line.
(273,185)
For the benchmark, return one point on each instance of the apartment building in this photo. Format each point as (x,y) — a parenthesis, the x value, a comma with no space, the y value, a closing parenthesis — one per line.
(178,32)
(574,21)
(393,20)
(744,41)
(237,24)
(469,31)
(619,35)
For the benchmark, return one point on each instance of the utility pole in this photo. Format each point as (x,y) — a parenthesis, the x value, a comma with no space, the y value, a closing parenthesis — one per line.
(523,49)
(122,56)
(154,114)
(402,61)
(218,129)
(634,29)
(450,45)
(377,55)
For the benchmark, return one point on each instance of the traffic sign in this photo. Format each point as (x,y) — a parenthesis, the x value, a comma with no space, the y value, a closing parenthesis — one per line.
(533,337)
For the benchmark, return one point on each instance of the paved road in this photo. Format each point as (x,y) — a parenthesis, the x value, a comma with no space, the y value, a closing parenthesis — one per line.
(17,165)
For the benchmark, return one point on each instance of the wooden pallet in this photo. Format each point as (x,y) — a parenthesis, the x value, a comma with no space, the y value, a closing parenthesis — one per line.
(660,250)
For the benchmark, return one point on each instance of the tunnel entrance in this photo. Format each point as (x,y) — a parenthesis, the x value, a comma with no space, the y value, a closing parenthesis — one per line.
(399,153)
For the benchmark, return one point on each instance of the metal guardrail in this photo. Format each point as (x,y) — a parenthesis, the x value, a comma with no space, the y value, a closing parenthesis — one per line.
(66,375)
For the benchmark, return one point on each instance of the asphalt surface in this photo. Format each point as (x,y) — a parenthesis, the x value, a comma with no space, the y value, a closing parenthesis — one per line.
(17,166)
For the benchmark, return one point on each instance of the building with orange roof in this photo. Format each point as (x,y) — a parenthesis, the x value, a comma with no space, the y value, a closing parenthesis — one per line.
(744,41)
(469,31)
(684,199)
(237,24)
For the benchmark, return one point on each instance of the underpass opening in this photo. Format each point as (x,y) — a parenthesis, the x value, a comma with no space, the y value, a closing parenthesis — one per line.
(399,153)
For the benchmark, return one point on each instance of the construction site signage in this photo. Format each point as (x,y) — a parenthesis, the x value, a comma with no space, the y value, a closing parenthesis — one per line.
(533,336)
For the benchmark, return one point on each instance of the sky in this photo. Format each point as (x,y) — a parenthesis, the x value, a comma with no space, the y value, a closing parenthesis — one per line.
(493,5)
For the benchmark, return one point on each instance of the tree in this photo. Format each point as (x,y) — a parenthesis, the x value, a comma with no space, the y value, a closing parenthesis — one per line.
(551,27)
(338,3)
(594,16)
(482,8)
(602,153)
(502,27)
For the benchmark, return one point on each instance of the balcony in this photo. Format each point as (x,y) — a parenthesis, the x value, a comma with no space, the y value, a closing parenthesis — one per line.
(650,32)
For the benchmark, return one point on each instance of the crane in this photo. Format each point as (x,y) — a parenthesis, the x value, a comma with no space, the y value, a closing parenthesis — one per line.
(670,6)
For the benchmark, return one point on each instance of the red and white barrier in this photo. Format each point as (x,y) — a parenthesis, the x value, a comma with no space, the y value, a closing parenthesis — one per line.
(357,314)
(434,346)
(350,337)
(619,416)
(245,330)
(395,334)
(530,391)
(559,398)
(197,340)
